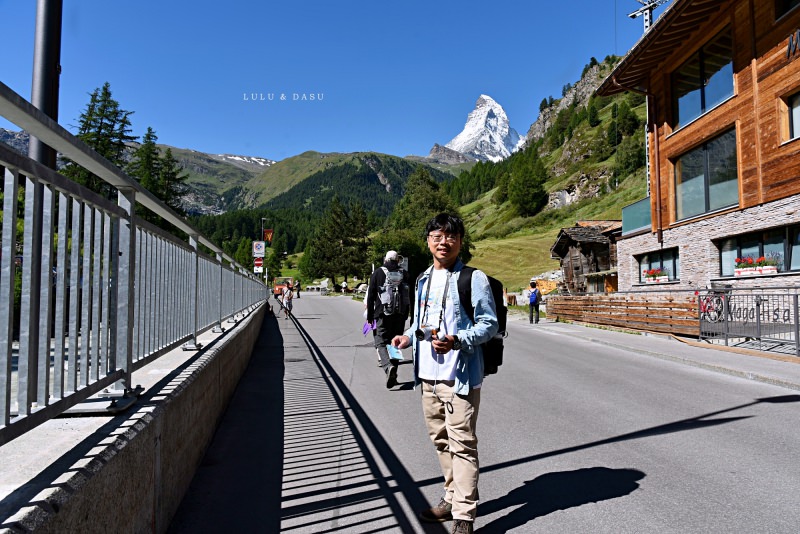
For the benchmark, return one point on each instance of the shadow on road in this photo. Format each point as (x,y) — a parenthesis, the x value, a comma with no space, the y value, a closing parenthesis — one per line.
(558,491)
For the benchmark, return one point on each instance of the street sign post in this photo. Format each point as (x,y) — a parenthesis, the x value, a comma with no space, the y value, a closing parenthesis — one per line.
(258,265)
(259,249)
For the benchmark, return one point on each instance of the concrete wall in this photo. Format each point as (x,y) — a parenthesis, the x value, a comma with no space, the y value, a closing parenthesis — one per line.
(133,478)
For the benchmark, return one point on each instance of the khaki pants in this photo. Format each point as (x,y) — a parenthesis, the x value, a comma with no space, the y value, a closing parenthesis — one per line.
(453,435)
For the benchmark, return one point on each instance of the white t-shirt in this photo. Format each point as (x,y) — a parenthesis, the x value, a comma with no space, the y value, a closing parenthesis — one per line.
(433,366)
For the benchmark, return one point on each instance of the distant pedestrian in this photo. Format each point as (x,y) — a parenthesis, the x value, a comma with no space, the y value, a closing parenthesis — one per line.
(288,294)
(534,299)
(344,286)
(297,288)
(387,304)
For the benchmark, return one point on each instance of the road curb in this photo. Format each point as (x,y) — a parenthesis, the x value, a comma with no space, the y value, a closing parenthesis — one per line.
(723,369)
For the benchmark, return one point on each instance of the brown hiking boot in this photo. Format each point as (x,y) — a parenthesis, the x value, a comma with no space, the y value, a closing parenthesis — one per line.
(460,526)
(439,513)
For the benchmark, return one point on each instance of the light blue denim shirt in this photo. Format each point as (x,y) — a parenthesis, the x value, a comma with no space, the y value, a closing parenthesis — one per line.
(469,368)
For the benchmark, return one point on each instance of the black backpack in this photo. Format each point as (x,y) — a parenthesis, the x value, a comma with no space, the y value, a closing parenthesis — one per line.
(492,349)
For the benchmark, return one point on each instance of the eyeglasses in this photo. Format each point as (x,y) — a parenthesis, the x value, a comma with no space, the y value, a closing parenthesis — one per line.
(437,238)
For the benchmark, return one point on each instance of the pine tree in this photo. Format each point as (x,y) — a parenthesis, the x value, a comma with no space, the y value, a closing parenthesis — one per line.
(358,242)
(144,167)
(171,182)
(106,128)
(526,187)
(594,115)
(328,250)
(145,163)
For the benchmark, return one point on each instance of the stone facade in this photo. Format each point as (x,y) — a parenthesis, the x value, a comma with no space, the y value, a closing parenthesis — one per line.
(700,256)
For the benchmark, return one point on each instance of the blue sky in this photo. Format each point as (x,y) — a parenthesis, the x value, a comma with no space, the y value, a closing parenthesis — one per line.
(393,77)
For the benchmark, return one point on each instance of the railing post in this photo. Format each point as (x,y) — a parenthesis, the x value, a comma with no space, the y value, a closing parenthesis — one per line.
(221,291)
(232,318)
(796,327)
(758,319)
(31,294)
(194,296)
(123,265)
(7,276)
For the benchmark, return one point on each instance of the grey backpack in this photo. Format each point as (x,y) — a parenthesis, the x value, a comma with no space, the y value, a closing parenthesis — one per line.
(393,293)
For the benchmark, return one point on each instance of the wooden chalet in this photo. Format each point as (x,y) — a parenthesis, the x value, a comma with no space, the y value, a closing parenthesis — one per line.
(722,81)
(587,253)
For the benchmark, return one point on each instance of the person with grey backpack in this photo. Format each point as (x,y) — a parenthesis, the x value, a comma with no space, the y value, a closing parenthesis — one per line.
(388,304)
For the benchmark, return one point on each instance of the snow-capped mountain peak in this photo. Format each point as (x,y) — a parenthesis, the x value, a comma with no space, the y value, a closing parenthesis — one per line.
(487,135)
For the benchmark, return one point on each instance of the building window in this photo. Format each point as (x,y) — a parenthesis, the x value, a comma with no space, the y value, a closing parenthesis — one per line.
(784,6)
(667,260)
(777,245)
(790,111)
(706,178)
(704,81)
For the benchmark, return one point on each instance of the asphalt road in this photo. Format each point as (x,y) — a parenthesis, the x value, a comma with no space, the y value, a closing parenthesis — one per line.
(576,436)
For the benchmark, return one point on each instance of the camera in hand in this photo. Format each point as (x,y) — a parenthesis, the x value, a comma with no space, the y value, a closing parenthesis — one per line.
(429,333)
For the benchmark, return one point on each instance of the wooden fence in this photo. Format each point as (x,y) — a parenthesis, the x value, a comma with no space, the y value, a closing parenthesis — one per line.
(672,313)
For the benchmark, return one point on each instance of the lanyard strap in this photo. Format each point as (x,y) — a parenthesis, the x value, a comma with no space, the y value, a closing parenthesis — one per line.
(444,297)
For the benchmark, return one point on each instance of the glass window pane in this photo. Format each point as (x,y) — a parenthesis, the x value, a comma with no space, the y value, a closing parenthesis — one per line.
(773,246)
(667,263)
(644,264)
(794,116)
(690,184)
(718,70)
(795,249)
(783,6)
(723,181)
(750,247)
(728,257)
(686,89)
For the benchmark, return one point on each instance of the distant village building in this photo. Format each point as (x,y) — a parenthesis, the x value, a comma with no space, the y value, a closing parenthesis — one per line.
(588,256)
(722,80)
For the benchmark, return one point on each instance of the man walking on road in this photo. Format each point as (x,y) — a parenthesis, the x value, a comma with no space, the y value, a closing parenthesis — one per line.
(448,363)
(534,299)
(387,305)
(286,299)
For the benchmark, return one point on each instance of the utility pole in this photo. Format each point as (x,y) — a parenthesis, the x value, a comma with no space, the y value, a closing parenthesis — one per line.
(266,269)
(647,11)
(46,72)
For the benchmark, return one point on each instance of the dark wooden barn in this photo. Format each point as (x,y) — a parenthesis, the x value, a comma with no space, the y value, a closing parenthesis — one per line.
(588,256)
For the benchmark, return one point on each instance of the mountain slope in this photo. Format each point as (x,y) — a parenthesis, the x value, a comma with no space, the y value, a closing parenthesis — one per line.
(212,177)
(377,181)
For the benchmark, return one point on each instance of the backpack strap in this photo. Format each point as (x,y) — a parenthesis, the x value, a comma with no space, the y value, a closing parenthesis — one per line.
(465,291)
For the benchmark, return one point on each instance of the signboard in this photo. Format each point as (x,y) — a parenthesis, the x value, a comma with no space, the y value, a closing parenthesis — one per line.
(258,249)
(267,235)
(258,270)
(258,262)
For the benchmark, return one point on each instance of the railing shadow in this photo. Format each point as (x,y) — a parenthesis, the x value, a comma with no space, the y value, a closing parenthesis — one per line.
(360,496)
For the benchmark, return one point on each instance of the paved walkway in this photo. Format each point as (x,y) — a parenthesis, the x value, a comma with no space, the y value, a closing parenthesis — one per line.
(297,453)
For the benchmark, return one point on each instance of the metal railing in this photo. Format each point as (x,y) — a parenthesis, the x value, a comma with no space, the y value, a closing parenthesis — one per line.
(763,319)
(89,292)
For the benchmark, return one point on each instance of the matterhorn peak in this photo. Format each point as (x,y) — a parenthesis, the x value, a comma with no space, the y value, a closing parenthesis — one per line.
(487,134)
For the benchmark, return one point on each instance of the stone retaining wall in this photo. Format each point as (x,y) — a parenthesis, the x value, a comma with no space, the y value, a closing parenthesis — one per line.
(131,474)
